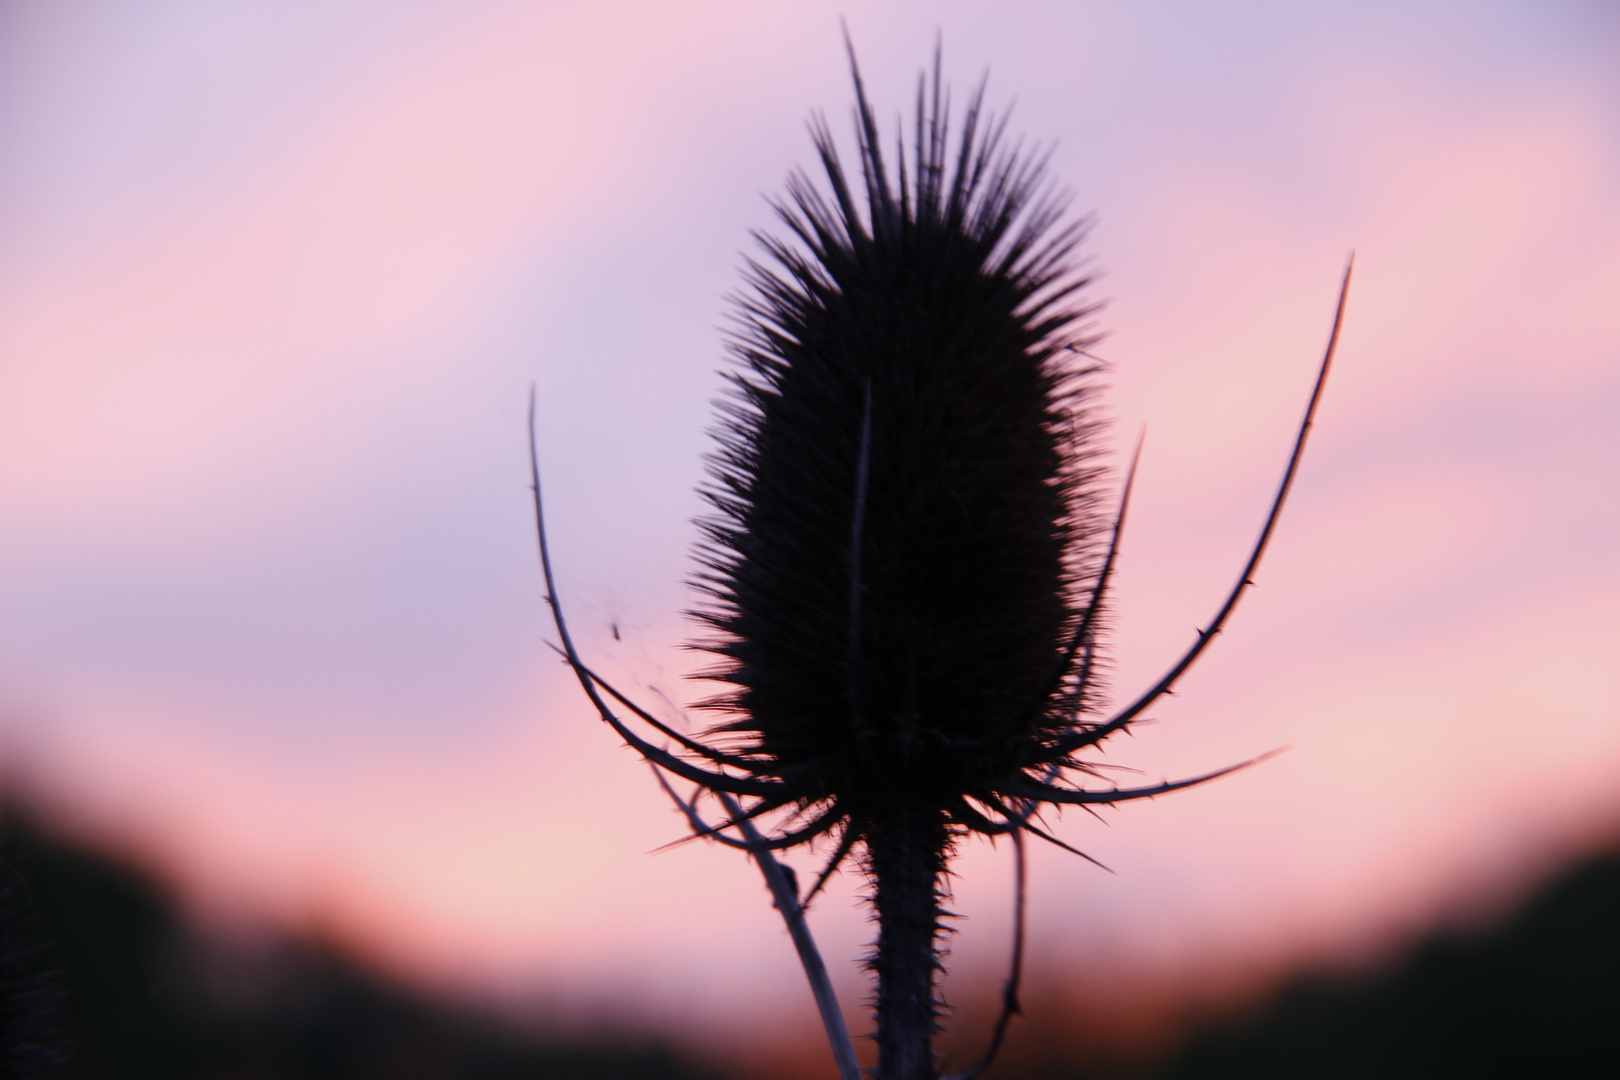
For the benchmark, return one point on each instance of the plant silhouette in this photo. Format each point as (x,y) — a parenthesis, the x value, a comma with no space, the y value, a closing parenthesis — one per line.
(907,563)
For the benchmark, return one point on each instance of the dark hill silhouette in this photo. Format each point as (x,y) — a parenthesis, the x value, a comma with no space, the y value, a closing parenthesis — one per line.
(94,950)
(1539,997)
(148,997)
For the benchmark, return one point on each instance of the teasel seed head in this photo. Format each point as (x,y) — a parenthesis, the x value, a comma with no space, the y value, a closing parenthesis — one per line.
(904,511)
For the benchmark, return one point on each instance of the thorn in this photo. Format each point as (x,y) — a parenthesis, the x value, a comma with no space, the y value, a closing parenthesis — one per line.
(1087,355)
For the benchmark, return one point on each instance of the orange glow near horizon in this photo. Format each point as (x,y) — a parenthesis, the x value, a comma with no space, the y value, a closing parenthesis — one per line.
(277,285)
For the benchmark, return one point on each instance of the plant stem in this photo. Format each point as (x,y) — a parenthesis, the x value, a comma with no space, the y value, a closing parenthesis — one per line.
(906,849)
(787,902)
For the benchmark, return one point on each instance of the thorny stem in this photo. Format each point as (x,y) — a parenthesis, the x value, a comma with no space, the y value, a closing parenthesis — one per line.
(787,902)
(906,849)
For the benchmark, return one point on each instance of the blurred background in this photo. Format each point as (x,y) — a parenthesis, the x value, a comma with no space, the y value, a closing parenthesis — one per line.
(275,284)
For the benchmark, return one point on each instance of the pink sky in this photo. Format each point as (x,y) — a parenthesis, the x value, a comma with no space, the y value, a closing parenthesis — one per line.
(277,279)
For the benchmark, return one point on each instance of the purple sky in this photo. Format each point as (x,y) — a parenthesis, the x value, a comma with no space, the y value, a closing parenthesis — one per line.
(277,278)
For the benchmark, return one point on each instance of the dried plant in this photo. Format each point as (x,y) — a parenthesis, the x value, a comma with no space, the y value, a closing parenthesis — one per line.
(907,563)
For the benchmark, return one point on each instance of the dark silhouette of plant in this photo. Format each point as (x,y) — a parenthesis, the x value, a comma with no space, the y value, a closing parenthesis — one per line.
(907,565)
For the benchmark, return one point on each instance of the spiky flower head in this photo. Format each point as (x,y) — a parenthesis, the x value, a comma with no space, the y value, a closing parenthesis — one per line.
(904,482)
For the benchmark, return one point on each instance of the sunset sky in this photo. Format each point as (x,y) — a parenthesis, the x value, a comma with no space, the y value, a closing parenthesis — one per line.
(276,279)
